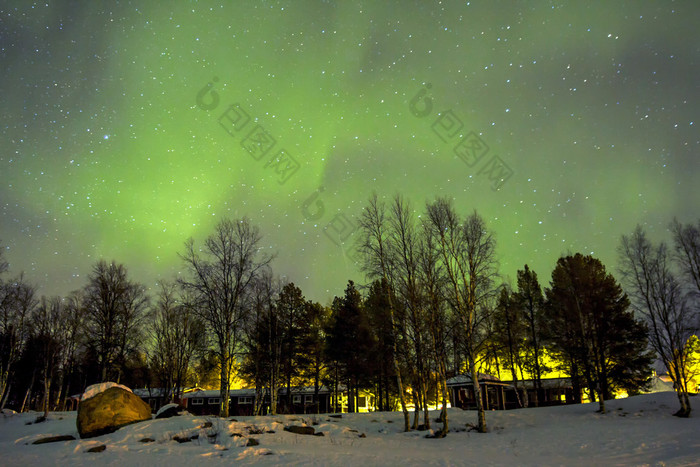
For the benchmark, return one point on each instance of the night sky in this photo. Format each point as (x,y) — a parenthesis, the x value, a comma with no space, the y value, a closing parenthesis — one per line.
(125,131)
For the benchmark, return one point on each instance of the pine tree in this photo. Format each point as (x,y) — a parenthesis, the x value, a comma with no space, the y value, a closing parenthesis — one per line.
(530,302)
(592,326)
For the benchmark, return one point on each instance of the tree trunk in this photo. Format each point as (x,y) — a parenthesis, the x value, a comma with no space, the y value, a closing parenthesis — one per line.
(681,391)
(443,388)
(5,396)
(525,395)
(481,414)
(47,390)
(4,384)
(224,385)
(57,401)
(29,391)
(426,409)
(416,410)
(399,383)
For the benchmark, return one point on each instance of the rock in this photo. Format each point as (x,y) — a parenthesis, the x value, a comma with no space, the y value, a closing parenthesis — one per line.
(170,410)
(110,410)
(99,448)
(252,442)
(182,439)
(146,440)
(54,439)
(300,430)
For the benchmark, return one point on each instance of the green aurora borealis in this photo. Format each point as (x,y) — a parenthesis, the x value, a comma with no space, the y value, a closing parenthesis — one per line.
(105,152)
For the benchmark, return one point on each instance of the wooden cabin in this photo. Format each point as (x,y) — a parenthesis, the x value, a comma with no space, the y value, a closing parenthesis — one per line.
(493,392)
(242,401)
(555,391)
(501,395)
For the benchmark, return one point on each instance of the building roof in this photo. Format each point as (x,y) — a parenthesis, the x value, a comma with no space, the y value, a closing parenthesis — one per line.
(547,383)
(159,392)
(251,392)
(459,380)
(305,390)
(217,393)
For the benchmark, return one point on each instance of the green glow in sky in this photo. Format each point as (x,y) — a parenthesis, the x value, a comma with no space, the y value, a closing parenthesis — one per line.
(589,108)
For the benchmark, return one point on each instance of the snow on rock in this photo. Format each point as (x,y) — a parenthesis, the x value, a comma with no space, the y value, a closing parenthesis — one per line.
(167,407)
(98,388)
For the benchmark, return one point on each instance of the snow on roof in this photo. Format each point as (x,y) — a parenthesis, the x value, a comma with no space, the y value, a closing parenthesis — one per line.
(467,379)
(306,390)
(98,388)
(202,393)
(547,383)
(217,393)
(156,392)
(659,384)
(251,392)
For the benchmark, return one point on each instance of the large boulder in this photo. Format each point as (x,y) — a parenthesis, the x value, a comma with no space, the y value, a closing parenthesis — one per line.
(106,410)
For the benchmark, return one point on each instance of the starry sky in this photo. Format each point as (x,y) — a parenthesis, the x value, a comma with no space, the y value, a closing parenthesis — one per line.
(127,128)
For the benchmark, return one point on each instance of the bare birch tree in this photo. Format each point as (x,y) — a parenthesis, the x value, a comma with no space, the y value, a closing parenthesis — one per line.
(686,241)
(467,250)
(114,310)
(432,278)
(46,325)
(178,337)
(222,273)
(403,252)
(16,305)
(658,295)
(376,264)
(71,335)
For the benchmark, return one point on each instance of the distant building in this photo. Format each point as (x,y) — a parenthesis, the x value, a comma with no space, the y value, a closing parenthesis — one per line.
(501,395)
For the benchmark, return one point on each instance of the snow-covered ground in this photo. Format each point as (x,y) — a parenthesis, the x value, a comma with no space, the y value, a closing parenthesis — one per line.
(637,431)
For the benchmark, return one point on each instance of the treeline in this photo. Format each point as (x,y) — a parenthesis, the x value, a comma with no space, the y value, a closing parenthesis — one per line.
(433,306)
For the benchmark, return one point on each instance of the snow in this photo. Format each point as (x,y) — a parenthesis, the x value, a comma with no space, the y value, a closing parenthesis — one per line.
(639,430)
(95,389)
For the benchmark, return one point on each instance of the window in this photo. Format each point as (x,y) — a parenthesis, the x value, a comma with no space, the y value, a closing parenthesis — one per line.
(214,400)
(296,399)
(362,401)
(197,401)
(308,399)
(245,400)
